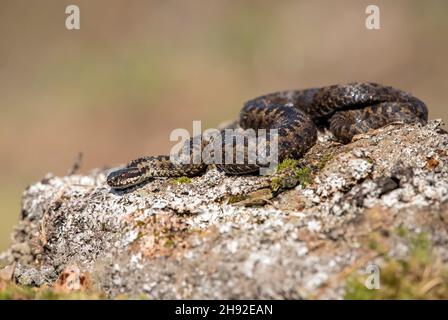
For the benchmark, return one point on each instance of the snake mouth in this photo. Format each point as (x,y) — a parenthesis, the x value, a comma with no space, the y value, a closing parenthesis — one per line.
(125,178)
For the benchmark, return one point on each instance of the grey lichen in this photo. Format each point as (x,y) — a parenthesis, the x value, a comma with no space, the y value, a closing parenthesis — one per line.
(220,236)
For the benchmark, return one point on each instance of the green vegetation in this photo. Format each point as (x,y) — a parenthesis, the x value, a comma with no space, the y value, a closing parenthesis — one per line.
(289,174)
(12,291)
(304,176)
(181,180)
(236,198)
(288,164)
(421,275)
(324,160)
(255,198)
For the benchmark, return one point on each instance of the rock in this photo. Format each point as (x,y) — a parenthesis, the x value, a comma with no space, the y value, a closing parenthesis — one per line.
(7,272)
(224,237)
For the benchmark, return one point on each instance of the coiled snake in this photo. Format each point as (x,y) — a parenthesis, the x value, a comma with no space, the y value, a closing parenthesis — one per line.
(347,110)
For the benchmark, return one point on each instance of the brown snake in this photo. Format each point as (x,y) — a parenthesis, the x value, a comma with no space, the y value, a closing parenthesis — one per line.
(346,110)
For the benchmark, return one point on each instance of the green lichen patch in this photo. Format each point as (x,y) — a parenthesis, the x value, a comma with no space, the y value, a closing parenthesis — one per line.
(305,176)
(256,198)
(370,160)
(181,180)
(288,164)
(323,161)
(289,174)
(401,231)
(236,198)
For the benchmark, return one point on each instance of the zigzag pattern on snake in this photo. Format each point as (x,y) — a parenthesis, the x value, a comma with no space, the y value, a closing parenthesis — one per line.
(347,110)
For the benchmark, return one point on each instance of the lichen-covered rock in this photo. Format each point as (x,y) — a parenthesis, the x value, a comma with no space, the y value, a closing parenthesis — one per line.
(218,236)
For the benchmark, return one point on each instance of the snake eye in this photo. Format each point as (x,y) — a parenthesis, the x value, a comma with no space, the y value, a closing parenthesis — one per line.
(124,178)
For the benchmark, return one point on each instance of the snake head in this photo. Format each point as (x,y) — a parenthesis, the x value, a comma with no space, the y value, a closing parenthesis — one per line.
(125,178)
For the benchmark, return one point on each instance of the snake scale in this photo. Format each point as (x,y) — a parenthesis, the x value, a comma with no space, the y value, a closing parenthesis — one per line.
(346,109)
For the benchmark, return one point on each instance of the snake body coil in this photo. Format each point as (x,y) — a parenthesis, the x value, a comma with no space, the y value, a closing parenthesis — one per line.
(347,110)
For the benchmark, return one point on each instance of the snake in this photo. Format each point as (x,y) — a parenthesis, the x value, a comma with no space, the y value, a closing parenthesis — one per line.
(297,115)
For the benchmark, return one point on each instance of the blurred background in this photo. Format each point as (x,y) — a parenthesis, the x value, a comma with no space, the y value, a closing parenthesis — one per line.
(135,70)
